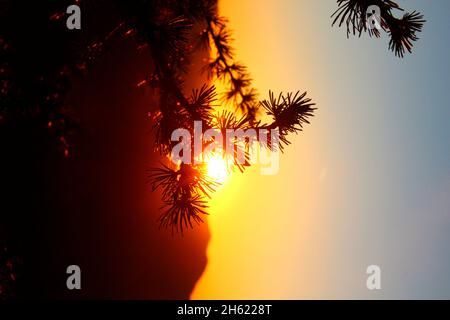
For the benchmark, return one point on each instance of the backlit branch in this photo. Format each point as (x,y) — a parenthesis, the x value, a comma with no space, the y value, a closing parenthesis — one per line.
(402,31)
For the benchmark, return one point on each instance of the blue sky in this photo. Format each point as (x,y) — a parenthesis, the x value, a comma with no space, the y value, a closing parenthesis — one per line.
(388,125)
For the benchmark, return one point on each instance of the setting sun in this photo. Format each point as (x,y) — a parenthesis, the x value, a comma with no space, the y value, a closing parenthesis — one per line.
(217,168)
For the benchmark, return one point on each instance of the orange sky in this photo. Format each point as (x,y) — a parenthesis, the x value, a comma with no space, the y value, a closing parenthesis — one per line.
(262,226)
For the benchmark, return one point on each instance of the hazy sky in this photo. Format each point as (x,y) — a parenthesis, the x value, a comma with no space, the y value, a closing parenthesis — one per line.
(368,182)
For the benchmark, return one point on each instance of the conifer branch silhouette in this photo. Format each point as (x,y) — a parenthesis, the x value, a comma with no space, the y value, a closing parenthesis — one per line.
(224,67)
(184,189)
(289,113)
(169,29)
(183,194)
(402,31)
(173,31)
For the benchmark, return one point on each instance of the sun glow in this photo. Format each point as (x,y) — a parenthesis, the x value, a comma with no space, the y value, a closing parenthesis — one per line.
(217,168)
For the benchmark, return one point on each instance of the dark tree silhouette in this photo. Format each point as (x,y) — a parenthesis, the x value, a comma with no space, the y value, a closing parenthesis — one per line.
(172,31)
(402,31)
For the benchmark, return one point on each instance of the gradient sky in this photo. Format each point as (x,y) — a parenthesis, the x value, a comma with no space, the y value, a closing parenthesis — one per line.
(368,182)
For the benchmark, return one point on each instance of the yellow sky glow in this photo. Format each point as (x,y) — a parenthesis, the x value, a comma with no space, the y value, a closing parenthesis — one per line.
(262,227)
